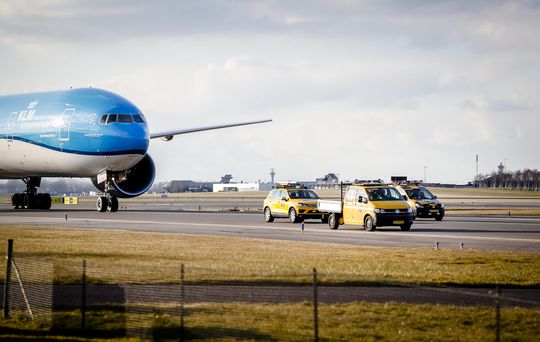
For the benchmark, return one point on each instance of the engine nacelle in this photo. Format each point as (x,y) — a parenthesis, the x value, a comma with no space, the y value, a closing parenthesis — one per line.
(132,182)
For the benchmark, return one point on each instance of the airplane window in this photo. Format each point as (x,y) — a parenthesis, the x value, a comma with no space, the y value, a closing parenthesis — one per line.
(138,118)
(112,118)
(103,119)
(124,118)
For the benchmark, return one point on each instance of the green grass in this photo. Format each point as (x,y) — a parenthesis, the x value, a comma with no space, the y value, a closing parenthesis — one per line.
(284,322)
(155,258)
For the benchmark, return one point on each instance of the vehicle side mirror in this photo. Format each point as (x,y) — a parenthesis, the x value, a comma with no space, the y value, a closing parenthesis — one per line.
(405,197)
(434,197)
(362,199)
(284,199)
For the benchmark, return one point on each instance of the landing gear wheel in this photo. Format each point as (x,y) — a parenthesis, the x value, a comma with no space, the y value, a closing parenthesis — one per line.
(102,204)
(268,215)
(369,225)
(17,201)
(113,204)
(33,201)
(29,201)
(333,221)
(324,219)
(406,227)
(44,201)
(293,217)
(438,218)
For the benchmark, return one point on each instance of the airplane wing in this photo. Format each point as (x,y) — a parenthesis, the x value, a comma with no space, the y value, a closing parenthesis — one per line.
(170,134)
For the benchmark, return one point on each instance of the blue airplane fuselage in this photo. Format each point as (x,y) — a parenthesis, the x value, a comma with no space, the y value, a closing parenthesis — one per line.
(72,133)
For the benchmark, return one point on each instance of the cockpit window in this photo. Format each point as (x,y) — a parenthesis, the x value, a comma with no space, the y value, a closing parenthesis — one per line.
(138,118)
(112,118)
(124,118)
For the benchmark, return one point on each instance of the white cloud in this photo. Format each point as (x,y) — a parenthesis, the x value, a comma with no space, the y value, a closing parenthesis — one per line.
(392,86)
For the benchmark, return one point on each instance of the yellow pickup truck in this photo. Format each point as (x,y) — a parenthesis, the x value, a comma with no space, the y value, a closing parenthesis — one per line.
(368,203)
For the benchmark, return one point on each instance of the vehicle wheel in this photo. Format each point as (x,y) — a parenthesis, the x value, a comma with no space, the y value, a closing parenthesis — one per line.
(113,204)
(293,217)
(438,218)
(268,215)
(406,227)
(324,218)
(102,204)
(369,225)
(333,221)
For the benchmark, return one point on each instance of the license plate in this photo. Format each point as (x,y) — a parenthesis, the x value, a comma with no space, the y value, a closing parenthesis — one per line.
(399,222)
(434,211)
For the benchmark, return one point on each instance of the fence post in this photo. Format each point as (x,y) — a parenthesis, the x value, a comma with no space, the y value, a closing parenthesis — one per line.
(498,314)
(83,297)
(315,307)
(182,298)
(9,257)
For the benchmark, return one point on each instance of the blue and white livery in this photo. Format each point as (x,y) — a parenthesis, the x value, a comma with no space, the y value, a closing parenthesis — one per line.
(79,133)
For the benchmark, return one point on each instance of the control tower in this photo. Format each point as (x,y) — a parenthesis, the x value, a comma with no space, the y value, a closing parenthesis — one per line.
(272,175)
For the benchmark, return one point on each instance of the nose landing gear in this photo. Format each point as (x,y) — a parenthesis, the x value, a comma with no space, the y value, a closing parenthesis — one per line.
(107,202)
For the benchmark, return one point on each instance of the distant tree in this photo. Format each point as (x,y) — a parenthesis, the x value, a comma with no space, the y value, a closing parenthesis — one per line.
(526,179)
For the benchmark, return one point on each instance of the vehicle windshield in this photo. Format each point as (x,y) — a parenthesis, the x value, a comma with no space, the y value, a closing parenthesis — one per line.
(420,194)
(384,194)
(304,194)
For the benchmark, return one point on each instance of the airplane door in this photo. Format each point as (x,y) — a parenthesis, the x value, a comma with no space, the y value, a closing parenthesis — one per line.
(10,129)
(64,132)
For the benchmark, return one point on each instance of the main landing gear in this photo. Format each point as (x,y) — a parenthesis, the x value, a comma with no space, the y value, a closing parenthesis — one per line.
(30,199)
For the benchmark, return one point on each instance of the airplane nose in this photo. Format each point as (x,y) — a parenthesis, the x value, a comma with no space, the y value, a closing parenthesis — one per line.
(132,138)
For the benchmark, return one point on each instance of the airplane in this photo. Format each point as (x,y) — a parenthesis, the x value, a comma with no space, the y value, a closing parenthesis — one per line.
(85,132)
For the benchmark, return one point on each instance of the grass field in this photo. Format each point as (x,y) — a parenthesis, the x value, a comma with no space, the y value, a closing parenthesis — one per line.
(358,321)
(250,259)
(155,257)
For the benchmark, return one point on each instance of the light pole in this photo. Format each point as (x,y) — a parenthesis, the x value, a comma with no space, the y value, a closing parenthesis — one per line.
(476,177)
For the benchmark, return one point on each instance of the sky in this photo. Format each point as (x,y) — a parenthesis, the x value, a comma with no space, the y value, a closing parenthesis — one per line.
(364,89)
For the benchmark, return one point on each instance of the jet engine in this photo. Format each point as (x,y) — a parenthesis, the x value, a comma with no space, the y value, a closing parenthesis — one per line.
(132,182)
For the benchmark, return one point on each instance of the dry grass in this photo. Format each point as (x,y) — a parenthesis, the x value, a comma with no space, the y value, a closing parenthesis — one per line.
(264,260)
(358,321)
(474,212)
(481,192)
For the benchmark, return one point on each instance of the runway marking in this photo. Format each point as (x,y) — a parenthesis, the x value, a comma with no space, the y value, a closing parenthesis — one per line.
(324,232)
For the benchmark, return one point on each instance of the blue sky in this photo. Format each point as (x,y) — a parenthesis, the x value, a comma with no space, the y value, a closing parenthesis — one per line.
(366,89)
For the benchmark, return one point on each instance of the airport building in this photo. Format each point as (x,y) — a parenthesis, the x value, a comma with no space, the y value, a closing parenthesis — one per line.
(220,187)
(224,185)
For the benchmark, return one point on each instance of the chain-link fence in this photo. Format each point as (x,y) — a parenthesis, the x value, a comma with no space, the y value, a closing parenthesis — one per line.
(29,290)
(75,298)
